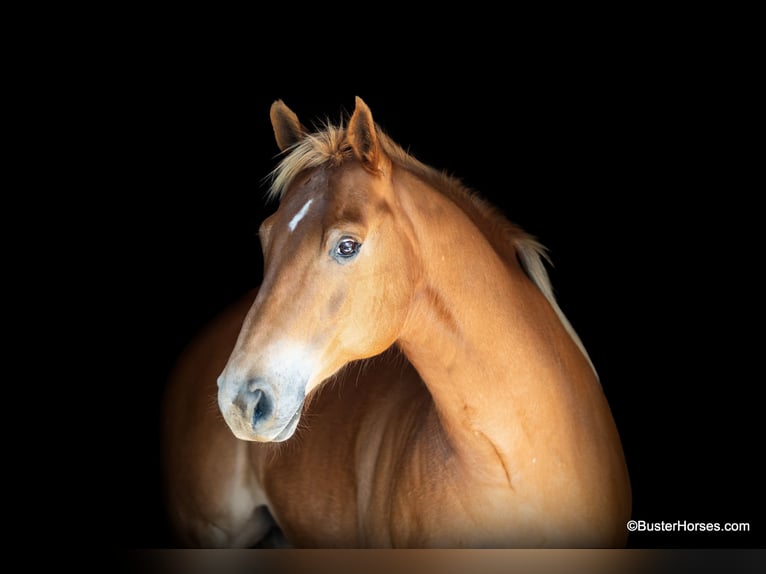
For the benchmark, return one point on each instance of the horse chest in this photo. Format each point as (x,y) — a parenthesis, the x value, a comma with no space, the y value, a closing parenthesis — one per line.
(391,489)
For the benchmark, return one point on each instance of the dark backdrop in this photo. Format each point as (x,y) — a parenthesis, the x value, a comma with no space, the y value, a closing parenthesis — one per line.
(628,170)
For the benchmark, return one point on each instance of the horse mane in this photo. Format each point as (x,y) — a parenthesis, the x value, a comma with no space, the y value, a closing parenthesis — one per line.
(328,145)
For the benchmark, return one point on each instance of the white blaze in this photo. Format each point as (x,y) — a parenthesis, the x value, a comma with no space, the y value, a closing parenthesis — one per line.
(298,216)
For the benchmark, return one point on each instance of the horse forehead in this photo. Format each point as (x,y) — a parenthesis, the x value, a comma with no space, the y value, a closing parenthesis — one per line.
(341,185)
(321,186)
(342,193)
(301,198)
(351,176)
(306,186)
(354,190)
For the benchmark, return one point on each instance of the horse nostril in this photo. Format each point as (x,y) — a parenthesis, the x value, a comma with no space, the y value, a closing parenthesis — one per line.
(259,405)
(255,401)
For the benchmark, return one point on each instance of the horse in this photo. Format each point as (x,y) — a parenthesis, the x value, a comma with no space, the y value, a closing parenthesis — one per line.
(402,377)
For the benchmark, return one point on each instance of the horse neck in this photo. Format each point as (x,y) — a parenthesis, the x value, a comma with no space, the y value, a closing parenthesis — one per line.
(502,370)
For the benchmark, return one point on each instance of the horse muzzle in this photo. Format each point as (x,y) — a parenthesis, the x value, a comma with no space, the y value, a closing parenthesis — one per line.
(256,410)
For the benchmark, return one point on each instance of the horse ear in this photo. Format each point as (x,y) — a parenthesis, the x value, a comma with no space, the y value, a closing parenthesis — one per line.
(288,130)
(363,137)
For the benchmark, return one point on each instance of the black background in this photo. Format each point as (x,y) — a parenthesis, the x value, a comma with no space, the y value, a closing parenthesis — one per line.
(631,167)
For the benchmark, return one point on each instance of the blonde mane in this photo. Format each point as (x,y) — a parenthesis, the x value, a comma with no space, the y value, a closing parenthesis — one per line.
(329,146)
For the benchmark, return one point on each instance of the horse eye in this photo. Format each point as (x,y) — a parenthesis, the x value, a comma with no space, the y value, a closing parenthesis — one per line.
(347,248)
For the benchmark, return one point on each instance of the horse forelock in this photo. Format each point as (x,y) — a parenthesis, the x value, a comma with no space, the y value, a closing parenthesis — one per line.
(327,146)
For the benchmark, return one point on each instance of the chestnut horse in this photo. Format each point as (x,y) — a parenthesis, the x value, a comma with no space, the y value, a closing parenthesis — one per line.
(402,378)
